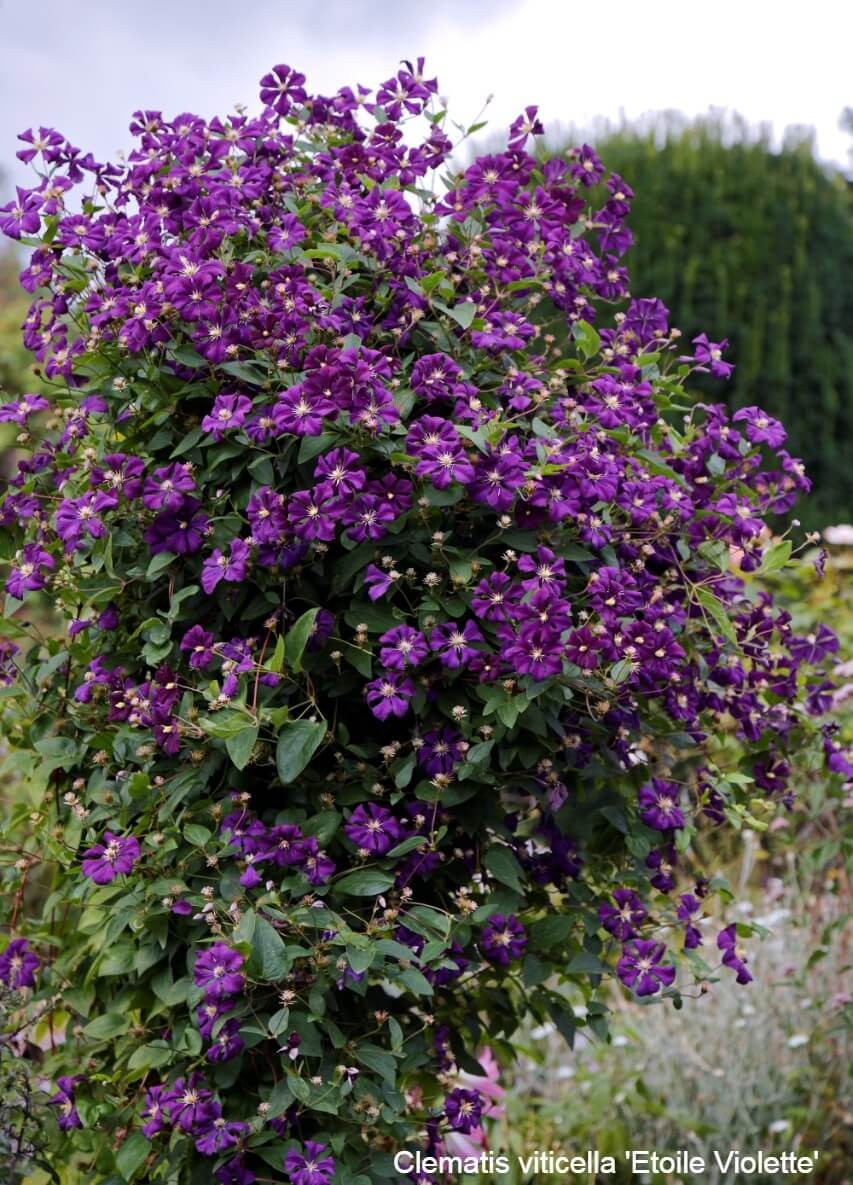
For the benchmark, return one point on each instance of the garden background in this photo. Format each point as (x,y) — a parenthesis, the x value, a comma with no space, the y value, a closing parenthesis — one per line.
(744,229)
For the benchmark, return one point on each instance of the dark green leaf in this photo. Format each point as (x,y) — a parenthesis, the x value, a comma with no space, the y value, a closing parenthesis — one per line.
(298,741)
(504,867)
(132,1154)
(269,960)
(364,882)
(240,745)
(297,638)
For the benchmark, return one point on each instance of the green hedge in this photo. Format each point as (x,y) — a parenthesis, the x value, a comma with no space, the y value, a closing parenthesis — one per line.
(757,246)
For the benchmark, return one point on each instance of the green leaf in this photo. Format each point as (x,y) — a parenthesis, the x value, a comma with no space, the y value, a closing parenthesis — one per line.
(620,671)
(178,598)
(463,314)
(415,981)
(587,337)
(297,638)
(298,741)
(247,371)
(716,552)
(158,564)
(322,826)
(192,438)
(408,845)
(150,1057)
(268,960)
(715,609)
(224,724)
(551,931)
(240,745)
(776,557)
(197,835)
(245,929)
(360,960)
(382,1063)
(428,922)
(364,882)
(312,445)
(111,1024)
(585,963)
(117,961)
(187,356)
(504,867)
(564,1020)
(132,1155)
(276,663)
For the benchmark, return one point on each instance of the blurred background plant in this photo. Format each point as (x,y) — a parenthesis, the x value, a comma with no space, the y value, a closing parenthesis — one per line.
(760,1067)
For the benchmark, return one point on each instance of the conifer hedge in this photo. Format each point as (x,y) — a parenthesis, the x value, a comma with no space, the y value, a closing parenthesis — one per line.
(758,244)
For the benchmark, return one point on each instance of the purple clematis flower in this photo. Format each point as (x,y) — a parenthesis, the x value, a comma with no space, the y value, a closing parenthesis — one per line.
(198,643)
(180,529)
(373,828)
(710,355)
(227,1043)
(688,906)
(18,965)
(622,918)
(454,643)
(167,487)
(535,651)
(228,412)
(659,801)
(662,862)
(64,1101)
(105,861)
(642,969)
(342,470)
(544,570)
(463,1109)
(318,867)
(281,88)
(218,566)
(389,695)
(733,957)
(155,1110)
(377,582)
(234,1172)
(309,1166)
(815,647)
(78,518)
(191,1106)
(29,571)
(760,428)
(495,597)
(220,1136)
(503,939)
(402,647)
(19,411)
(217,970)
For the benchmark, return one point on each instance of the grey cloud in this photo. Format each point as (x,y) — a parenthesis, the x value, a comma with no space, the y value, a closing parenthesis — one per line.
(85,67)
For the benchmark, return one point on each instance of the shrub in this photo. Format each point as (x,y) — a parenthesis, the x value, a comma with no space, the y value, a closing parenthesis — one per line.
(397,633)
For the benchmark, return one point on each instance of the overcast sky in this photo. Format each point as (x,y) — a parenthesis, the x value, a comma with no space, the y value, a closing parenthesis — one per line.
(84,65)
